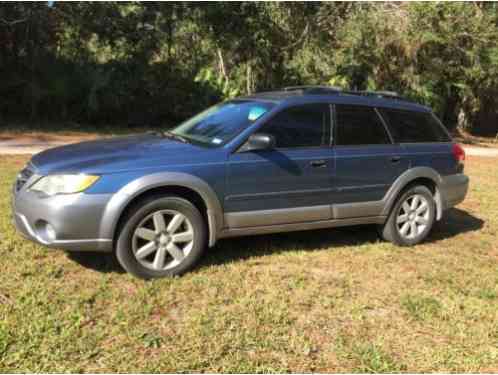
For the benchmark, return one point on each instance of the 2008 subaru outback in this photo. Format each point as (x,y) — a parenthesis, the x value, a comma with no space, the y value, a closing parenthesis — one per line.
(301,158)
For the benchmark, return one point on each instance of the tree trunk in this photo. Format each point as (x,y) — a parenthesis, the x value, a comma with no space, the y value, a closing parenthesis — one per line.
(221,65)
(249,85)
(450,114)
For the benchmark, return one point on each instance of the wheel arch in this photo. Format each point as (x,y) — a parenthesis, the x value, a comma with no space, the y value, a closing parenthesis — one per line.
(417,176)
(192,188)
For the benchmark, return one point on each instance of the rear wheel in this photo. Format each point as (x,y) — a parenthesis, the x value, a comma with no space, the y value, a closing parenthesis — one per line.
(163,236)
(412,217)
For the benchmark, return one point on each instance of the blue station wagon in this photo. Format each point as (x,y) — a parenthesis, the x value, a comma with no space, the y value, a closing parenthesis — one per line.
(300,158)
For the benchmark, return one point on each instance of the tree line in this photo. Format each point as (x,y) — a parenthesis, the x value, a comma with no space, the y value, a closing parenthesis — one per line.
(155,64)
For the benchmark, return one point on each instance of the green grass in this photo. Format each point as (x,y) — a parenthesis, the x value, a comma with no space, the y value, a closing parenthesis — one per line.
(374,360)
(422,308)
(324,301)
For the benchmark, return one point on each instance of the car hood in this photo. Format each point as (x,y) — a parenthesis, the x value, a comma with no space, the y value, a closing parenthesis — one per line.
(117,154)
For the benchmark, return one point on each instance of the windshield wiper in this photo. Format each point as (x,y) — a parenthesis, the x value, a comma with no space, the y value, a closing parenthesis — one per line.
(176,136)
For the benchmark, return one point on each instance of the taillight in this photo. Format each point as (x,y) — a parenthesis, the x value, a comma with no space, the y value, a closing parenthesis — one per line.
(458,153)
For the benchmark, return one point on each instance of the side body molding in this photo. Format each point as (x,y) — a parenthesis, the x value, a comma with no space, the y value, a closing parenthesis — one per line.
(382,208)
(125,195)
(403,180)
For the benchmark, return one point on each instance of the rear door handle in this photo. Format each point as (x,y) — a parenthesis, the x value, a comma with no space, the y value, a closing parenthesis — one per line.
(318,163)
(396,159)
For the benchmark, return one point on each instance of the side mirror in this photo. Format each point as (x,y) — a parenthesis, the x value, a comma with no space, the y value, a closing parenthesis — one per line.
(258,142)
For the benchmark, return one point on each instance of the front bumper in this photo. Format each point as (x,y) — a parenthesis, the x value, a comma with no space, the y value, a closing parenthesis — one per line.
(454,189)
(74,219)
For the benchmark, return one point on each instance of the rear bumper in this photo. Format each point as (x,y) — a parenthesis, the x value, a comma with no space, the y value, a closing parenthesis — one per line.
(454,189)
(74,219)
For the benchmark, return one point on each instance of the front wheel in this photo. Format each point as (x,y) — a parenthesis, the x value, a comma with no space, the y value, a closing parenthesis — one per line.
(163,236)
(412,217)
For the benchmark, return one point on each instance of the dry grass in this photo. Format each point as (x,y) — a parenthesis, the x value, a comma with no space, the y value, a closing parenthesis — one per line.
(35,137)
(328,300)
(70,131)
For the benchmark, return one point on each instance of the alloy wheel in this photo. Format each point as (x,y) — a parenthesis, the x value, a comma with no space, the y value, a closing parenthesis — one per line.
(413,216)
(162,240)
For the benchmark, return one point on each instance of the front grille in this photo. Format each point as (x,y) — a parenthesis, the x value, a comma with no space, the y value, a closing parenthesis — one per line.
(23,177)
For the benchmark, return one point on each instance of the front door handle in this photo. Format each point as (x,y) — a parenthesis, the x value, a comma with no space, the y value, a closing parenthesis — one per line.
(318,163)
(396,159)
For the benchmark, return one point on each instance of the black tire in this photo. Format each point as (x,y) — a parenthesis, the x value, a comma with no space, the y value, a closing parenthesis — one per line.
(390,231)
(124,248)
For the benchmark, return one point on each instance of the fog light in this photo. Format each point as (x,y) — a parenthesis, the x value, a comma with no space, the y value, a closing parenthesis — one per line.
(45,232)
(50,232)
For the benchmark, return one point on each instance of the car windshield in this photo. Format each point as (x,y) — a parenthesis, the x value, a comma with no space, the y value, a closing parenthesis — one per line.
(219,124)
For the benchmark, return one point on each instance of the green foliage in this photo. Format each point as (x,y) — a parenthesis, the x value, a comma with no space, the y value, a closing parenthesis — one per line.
(157,63)
(224,86)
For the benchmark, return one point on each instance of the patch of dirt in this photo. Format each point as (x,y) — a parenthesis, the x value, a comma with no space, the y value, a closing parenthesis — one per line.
(481,151)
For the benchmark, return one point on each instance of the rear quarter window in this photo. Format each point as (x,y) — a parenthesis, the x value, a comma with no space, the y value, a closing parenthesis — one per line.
(414,127)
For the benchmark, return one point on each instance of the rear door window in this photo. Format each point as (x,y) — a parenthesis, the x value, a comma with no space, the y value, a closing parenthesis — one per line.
(359,125)
(414,127)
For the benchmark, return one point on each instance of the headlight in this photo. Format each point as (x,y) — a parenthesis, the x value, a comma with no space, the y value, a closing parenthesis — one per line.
(64,184)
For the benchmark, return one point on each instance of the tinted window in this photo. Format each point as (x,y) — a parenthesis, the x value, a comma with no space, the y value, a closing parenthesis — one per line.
(358,125)
(407,126)
(219,124)
(300,126)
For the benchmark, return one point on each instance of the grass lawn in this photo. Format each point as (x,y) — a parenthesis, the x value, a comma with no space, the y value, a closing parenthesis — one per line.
(329,300)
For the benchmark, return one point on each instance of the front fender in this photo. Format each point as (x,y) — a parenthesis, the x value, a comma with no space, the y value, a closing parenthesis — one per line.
(120,200)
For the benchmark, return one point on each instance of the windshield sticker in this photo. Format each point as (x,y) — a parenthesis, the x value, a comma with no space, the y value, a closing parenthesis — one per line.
(216,141)
(255,113)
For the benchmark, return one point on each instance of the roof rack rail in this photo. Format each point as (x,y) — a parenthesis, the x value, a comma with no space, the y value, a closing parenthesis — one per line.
(314,89)
(379,94)
(321,89)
